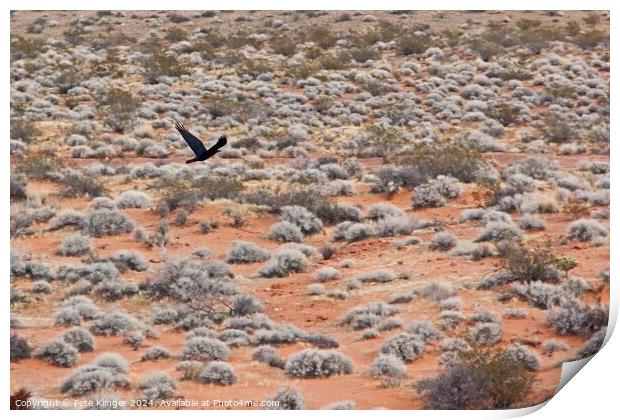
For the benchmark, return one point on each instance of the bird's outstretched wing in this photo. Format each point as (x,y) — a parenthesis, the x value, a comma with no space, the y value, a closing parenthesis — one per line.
(192,141)
(221,142)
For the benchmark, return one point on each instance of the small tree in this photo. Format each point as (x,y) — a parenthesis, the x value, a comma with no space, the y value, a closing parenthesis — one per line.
(383,140)
(120,107)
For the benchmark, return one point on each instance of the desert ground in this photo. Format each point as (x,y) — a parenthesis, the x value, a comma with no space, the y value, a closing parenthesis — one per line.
(412,210)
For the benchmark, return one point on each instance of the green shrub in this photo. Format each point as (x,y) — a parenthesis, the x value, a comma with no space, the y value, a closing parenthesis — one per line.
(428,161)
(119,107)
(22,47)
(24,130)
(158,65)
(590,39)
(78,185)
(528,265)
(479,379)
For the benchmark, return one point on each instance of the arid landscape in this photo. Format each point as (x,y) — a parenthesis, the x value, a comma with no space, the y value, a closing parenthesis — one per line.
(411,212)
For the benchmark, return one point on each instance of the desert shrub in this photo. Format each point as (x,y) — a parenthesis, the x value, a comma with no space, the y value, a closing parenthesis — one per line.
(325,274)
(452,303)
(204,349)
(486,333)
(537,203)
(80,338)
(586,230)
(524,356)
(311,363)
(284,262)
(67,316)
(234,338)
(75,244)
(133,199)
(81,287)
(413,43)
(125,260)
(472,214)
(531,222)
(300,216)
(480,379)
(427,195)
(382,275)
(425,330)
(394,226)
(593,345)
(41,166)
(58,353)
(216,372)
(243,252)
(484,315)
(451,319)
(380,211)
(498,231)
(202,331)
(358,231)
(41,286)
(402,243)
(539,294)
(529,265)
(369,334)
(389,368)
(245,305)
(286,399)
(119,107)
(279,335)
(316,289)
(328,251)
(573,316)
(67,218)
(436,291)
(552,345)
(18,185)
(159,65)
(24,130)
(156,353)
(427,161)
(15,321)
(157,385)
(38,270)
(515,313)
(78,185)
(442,241)
(112,290)
(267,354)
(91,378)
(590,39)
(114,323)
(185,280)
(18,266)
(405,346)
(134,339)
(285,232)
(190,370)
(112,361)
(20,349)
(107,222)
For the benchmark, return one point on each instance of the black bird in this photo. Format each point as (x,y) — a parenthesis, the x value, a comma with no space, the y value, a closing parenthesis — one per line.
(197,146)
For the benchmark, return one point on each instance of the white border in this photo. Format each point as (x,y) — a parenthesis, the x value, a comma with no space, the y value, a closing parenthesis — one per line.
(593,395)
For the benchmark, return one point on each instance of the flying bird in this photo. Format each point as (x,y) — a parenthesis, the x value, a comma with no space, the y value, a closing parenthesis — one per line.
(197,146)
